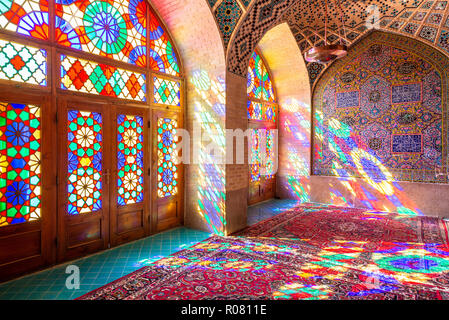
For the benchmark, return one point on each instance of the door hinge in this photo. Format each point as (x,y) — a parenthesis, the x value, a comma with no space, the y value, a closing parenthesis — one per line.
(149,124)
(56,242)
(56,117)
(149,172)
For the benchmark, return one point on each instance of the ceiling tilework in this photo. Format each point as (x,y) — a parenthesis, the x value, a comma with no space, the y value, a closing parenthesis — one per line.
(245,3)
(227,14)
(425,20)
(212,3)
(262,15)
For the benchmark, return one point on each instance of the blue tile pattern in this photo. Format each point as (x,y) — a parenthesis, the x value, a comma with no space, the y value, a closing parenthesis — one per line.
(100,269)
(268,209)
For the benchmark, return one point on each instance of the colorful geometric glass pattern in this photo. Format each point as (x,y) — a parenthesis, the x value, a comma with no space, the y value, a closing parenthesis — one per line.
(162,54)
(20,159)
(261,111)
(255,160)
(262,160)
(96,78)
(27,17)
(268,91)
(257,74)
(129,159)
(392,109)
(85,158)
(270,162)
(269,112)
(115,28)
(167,92)
(254,110)
(260,91)
(261,107)
(167,171)
(21,63)
(259,84)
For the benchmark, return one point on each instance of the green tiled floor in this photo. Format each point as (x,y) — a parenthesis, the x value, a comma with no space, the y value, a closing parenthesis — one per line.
(102,268)
(268,209)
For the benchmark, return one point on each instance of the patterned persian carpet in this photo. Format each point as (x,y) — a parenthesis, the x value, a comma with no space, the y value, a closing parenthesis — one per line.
(310,252)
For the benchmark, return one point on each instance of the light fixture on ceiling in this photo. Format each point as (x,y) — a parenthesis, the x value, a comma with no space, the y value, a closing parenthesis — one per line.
(328,52)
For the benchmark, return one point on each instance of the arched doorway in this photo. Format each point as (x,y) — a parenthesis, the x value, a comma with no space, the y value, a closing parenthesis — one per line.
(262,110)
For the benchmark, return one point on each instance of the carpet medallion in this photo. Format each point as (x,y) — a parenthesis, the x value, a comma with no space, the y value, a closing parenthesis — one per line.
(310,252)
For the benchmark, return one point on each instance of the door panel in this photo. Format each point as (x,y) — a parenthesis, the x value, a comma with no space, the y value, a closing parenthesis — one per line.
(261,187)
(25,172)
(84,179)
(129,208)
(167,180)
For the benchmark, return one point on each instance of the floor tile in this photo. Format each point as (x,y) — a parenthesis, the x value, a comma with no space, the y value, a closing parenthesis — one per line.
(100,269)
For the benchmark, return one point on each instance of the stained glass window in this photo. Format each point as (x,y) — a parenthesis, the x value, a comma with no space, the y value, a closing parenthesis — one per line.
(269,112)
(261,107)
(261,98)
(162,54)
(112,28)
(91,77)
(262,160)
(254,110)
(256,73)
(255,160)
(268,91)
(23,63)
(262,111)
(85,148)
(27,17)
(130,159)
(270,169)
(167,92)
(167,171)
(20,159)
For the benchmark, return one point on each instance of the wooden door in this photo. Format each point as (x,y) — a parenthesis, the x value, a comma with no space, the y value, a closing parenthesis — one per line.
(167,177)
(26,182)
(261,187)
(130,200)
(84,178)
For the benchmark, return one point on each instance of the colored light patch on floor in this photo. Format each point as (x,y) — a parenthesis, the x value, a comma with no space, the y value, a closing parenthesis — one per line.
(415,264)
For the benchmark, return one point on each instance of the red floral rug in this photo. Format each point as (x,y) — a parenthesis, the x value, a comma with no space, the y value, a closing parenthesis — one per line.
(319,224)
(310,252)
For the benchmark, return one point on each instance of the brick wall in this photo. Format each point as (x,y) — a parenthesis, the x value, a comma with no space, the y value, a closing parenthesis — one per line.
(196,36)
(291,81)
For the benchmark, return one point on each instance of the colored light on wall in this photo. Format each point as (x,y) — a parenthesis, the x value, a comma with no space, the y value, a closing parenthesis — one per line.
(209,112)
(379,98)
(20,159)
(85,162)
(129,159)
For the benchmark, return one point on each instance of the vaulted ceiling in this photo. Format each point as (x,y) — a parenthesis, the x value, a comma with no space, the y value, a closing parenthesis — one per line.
(243,23)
